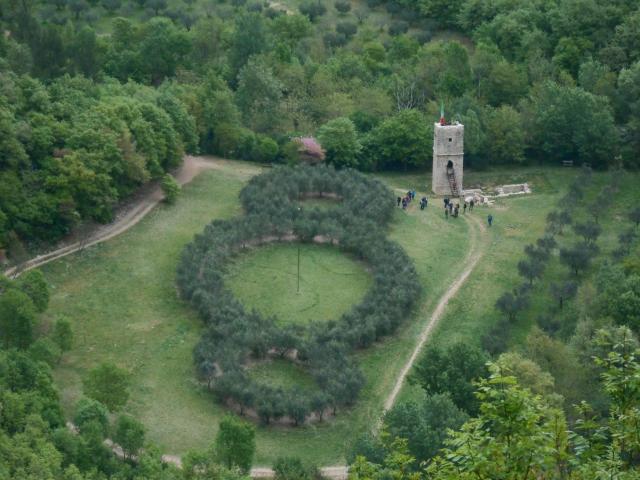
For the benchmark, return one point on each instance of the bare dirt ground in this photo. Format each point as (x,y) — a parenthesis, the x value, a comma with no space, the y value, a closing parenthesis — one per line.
(192,166)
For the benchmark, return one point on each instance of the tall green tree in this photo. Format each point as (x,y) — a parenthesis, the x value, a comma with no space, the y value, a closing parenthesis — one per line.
(505,136)
(35,286)
(452,371)
(403,140)
(250,37)
(340,142)
(570,123)
(516,435)
(17,319)
(129,434)
(163,48)
(424,423)
(235,443)
(258,96)
(107,384)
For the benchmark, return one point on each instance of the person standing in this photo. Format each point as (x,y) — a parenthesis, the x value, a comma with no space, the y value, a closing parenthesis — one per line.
(490,219)
(446,213)
(464,208)
(471,204)
(399,199)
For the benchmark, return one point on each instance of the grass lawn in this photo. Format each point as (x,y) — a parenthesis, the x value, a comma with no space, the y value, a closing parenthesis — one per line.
(121,299)
(282,373)
(519,221)
(330,282)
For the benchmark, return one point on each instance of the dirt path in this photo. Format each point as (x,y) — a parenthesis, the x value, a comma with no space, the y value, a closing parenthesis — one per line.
(472,259)
(130,214)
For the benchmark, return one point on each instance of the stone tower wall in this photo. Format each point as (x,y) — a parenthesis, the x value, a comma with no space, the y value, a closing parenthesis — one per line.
(448,145)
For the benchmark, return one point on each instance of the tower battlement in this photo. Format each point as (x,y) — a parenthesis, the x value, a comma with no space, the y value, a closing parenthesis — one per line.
(448,154)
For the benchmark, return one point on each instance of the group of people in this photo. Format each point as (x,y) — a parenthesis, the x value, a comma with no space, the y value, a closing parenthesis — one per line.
(409,197)
(454,210)
(449,208)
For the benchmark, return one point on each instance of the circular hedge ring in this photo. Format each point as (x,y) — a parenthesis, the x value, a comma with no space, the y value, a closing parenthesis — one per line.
(233,336)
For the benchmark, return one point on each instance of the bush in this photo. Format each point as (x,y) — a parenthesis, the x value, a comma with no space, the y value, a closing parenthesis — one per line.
(129,434)
(348,29)
(292,468)
(495,341)
(111,5)
(170,188)
(35,286)
(312,9)
(398,27)
(333,39)
(273,13)
(424,424)
(235,443)
(108,384)
(423,36)
(62,334)
(343,6)
(369,446)
(89,413)
(45,350)
(393,7)
(265,149)
(452,372)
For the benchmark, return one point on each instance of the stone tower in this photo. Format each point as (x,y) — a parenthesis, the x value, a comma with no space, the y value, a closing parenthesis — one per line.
(448,152)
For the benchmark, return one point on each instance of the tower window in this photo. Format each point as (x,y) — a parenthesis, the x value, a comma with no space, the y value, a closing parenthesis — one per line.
(450,139)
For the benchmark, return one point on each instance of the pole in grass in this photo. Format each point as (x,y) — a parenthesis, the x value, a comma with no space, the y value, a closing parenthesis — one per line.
(298,268)
(298,291)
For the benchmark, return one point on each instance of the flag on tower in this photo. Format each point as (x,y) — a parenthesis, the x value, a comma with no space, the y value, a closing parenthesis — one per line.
(442,120)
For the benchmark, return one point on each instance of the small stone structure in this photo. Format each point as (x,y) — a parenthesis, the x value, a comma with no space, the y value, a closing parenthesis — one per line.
(515,189)
(448,153)
(482,198)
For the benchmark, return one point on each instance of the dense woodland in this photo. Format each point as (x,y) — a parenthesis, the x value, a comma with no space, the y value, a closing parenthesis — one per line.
(100,96)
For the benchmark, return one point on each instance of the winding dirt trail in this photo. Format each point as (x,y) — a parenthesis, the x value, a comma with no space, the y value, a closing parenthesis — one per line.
(473,257)
(134,211)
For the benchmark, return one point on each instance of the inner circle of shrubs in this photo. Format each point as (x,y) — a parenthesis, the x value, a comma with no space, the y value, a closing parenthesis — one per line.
(235,336)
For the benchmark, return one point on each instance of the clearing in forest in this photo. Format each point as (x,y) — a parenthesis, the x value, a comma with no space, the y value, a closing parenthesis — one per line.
(121,299)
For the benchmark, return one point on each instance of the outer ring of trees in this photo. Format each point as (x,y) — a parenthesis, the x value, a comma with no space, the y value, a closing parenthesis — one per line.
(234,335)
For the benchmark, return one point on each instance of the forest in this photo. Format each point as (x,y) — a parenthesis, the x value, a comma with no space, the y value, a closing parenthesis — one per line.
(101,96)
